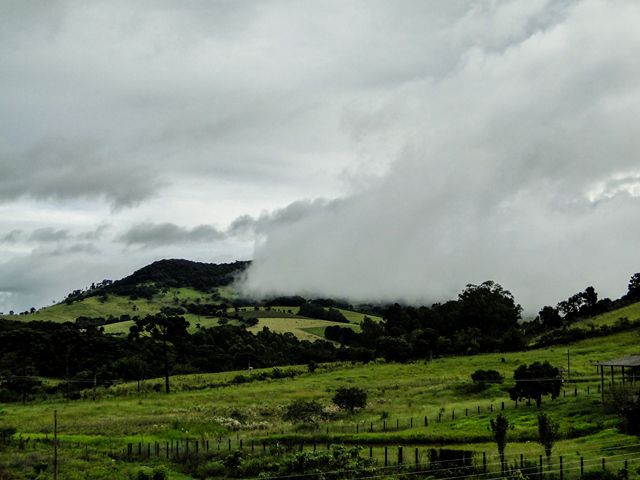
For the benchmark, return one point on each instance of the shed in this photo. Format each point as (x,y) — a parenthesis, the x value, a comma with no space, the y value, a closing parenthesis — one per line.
(629,365)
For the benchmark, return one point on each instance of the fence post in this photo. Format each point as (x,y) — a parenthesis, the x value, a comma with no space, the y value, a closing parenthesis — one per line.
(575,392)
(229,443)
(371,427)
(399,455)
(484,462)
(521,460)
(357,428)
(581,466)
(417,457)
(439,417)
(466,412)
(386,457)
(603,464)
(384,425)
(426,421)
(370,454)
(541,471)
(411,422)
(167,452)
(561,470)
(502,406)
(240,444)
(453,414)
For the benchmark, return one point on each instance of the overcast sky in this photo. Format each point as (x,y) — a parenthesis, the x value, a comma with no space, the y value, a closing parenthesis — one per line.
(367,149)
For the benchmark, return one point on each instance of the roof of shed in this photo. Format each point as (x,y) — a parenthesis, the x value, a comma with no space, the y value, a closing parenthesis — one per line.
(628,361)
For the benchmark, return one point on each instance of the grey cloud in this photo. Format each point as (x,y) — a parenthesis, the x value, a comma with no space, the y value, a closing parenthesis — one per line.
(156,235)
(248,226)
(96,234)
(495,174)
(48,234)
(13,236)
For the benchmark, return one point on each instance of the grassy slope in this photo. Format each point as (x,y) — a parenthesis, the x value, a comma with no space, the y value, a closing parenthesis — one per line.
(278,319)
(396,391)
(631,312)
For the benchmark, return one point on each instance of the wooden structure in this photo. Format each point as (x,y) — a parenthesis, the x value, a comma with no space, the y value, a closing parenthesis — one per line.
(630,369)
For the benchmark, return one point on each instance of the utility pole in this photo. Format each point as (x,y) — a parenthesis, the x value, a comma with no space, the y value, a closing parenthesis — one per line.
(55,445)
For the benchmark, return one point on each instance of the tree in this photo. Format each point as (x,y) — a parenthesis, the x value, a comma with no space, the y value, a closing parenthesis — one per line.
(550,317)
(634,286)
(535,380)
(350,398)
(482,377)
(489,307)
(164,329)
(547,434)
(499,427)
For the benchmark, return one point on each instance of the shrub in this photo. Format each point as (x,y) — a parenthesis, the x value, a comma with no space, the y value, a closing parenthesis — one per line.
(303,411)
(350,398)
(482,377)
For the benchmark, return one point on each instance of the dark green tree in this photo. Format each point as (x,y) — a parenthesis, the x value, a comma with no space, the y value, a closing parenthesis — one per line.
(534,381)
(166,330)
(499,428)
(634,286)
(550,317)
(350,398)
(547,434)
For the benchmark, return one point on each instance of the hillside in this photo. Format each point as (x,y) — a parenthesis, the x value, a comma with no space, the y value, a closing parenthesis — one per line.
(183,283)
(218,408)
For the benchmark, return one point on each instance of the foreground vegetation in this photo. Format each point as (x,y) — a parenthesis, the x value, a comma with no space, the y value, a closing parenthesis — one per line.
(214,406)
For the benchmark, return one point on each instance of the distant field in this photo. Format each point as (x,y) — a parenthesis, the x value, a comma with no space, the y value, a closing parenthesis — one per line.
(305,329)
(116,306)
(630,312)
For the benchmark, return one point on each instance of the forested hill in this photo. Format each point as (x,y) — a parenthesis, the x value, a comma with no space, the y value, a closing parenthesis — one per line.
(178,273)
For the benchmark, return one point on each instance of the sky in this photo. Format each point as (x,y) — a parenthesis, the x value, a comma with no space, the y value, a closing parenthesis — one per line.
(371,150)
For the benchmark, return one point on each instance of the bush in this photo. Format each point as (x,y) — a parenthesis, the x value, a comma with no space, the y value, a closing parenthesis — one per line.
(304,411)
(350,398)
(482,377)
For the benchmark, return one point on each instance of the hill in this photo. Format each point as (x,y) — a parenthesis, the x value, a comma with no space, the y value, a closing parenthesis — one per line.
(205,293)
(175,273)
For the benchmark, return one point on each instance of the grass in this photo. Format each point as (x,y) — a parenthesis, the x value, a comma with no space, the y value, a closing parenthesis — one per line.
(209,406)
(399,397)
(303,328)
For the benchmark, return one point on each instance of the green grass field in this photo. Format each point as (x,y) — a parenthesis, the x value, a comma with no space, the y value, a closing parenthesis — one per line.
(208,406)
(400,396)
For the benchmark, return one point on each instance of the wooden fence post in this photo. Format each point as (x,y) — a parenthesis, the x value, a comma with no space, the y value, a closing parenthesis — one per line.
(502,406)
(561,470)
(603,464)
(399,455)
(541,471)
(426,421)
(386,457)
(417,457)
